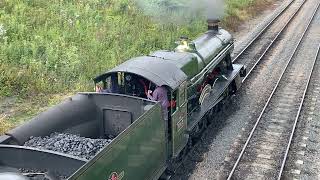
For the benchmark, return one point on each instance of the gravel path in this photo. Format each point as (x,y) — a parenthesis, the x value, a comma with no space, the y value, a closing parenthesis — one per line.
(223,141)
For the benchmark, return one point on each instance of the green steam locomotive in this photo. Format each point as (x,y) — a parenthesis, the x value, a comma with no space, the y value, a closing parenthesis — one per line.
(198,76)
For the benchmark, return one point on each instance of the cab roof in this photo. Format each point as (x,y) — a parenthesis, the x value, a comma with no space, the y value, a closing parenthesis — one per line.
(156,70)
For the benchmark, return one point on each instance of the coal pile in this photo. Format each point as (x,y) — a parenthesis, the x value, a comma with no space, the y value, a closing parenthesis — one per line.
(69,144)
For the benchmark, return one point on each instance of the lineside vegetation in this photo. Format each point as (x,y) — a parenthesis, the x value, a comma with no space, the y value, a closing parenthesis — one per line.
(50,47)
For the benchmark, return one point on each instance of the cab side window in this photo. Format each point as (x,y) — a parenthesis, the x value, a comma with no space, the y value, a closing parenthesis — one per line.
(173,102)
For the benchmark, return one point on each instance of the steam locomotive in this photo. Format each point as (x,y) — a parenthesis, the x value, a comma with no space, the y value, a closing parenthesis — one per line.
(198,75)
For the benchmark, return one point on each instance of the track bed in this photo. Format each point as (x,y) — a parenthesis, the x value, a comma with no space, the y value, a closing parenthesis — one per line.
(265,151)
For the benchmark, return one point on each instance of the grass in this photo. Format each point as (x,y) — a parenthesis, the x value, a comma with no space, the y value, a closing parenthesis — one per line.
(49,48)
(5,125)
(19,110)
(239,11)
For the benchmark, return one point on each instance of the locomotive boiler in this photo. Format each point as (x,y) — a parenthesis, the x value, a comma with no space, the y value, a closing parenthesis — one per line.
(198,75)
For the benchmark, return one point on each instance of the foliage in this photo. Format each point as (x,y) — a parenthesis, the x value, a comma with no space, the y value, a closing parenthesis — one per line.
(53,46)
(238,11)
(49,48)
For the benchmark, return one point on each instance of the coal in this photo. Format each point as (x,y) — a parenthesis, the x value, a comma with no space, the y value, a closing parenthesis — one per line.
(70,144)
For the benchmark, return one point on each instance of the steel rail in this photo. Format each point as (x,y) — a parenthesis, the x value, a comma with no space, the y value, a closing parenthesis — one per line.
(297,116)
(263,30)
(273,40)
(271,95)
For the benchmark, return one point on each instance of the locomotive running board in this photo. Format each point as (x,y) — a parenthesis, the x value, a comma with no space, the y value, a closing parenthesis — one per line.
(215,96)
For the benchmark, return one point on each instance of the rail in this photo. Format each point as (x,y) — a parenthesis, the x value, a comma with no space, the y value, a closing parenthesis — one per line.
(273,40)
(297,117)
(268,101)
(263,30)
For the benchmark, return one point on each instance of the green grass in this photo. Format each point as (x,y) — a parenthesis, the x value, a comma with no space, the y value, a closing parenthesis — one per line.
(238,11)
(19,110)
(50,47)
(54,46)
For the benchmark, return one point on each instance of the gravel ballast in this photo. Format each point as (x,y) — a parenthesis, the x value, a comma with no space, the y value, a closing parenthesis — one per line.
(222,142)
(70,144)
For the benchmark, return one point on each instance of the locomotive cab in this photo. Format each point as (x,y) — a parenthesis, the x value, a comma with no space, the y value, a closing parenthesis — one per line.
(136,76)
(134,85)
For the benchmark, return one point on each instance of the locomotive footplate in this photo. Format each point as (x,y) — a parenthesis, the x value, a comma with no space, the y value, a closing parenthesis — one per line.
(215,96)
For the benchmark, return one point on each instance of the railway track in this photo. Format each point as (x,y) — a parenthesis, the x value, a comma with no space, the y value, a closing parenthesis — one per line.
(264,42)
(257,48)
(302,159)
(265,151)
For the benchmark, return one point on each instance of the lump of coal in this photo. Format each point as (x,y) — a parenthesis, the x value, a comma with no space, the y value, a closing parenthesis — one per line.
(69,144)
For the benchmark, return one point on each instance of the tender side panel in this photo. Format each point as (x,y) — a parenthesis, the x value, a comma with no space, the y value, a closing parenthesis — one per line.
(137,153)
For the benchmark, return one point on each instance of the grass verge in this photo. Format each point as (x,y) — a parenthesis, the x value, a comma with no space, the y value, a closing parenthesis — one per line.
(51,50)
(239,11)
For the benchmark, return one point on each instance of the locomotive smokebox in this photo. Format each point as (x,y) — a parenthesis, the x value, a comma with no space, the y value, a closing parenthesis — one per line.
(213,24)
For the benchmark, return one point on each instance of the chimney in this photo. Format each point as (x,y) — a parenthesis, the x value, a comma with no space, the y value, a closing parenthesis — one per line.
(213,24)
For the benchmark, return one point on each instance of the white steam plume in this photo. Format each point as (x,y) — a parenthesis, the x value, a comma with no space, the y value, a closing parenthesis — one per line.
(182,11)
(211,9)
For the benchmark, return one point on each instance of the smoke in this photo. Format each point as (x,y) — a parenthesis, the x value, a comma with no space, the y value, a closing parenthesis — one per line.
(182,11)
(211,9)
